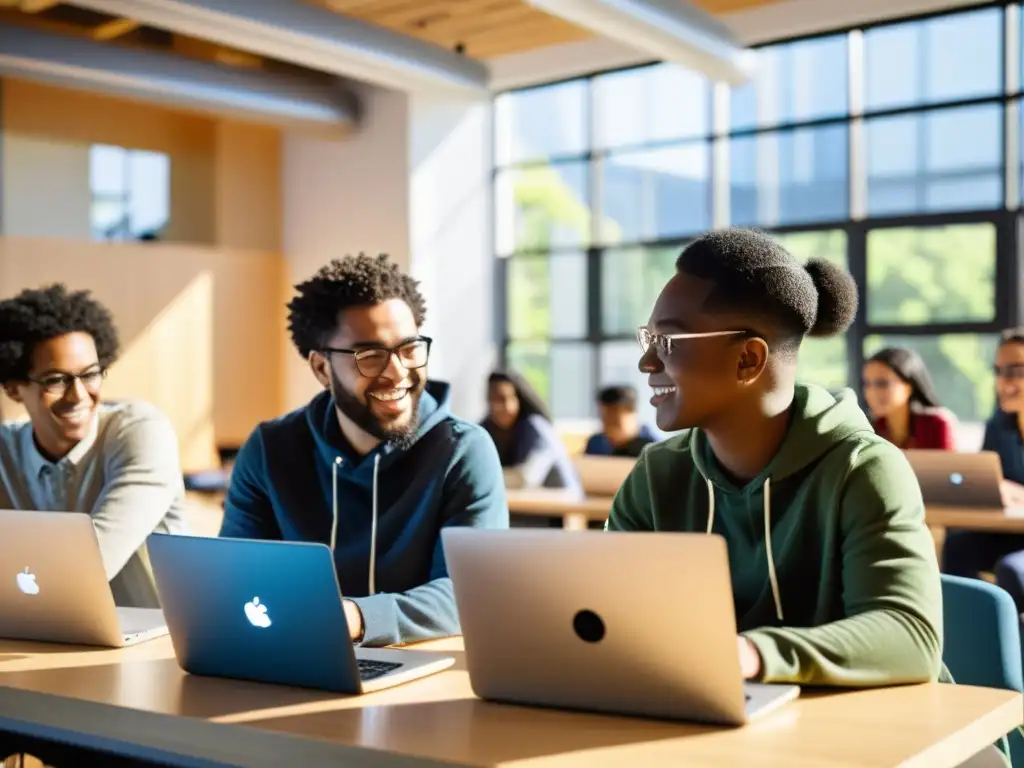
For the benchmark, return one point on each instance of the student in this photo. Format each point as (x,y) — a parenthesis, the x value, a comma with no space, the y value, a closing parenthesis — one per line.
(833,570)
(622,434)
(117,463)
(375,465)
(531,453)
(968,553)
(904,407)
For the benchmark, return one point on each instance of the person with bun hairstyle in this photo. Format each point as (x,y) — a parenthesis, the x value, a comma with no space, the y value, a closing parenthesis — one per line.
(904,407)
(834,575)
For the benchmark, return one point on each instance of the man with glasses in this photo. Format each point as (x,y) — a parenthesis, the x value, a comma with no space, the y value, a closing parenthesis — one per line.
(118,463)
(834,575)
(375,465)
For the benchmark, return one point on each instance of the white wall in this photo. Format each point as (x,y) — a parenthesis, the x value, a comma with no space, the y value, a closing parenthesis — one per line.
(45,187)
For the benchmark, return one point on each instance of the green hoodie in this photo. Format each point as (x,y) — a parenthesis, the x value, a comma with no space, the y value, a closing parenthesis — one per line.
(843,589)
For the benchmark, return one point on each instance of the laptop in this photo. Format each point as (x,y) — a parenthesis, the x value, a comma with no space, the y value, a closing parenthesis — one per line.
(548,622)
(270,611)
(951,479)
(603,475)
(53,586)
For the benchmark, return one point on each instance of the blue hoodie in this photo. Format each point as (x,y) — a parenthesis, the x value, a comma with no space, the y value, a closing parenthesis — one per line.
(296,475)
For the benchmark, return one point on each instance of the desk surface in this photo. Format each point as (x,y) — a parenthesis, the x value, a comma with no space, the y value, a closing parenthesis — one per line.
(555,503)
(439,718)
(974,519)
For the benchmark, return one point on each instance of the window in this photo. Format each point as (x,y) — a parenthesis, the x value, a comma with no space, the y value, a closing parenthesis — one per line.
(948,58)
(922,162)
(602,180)
(130,192)
(943,274)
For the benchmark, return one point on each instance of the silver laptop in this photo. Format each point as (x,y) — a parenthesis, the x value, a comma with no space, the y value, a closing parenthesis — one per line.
(952,479)
(603,475)
(270,611)
(627,623)
(53,586)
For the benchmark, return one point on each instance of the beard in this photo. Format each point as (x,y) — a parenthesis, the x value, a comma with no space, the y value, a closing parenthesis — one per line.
(401,436)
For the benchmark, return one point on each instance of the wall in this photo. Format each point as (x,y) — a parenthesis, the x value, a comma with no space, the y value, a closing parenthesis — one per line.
(200,328)
(341,197)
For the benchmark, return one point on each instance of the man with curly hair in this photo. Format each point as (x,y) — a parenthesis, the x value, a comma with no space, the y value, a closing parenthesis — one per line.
(116,462)
(375,465)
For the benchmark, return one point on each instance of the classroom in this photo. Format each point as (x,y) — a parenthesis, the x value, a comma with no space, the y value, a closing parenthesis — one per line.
(346,346)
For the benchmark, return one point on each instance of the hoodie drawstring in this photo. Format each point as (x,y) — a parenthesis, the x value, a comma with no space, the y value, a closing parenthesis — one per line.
(772,576)
(371,577)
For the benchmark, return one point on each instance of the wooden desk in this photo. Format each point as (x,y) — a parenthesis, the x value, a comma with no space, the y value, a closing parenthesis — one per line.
(438,718)
(974,519)
(575,512)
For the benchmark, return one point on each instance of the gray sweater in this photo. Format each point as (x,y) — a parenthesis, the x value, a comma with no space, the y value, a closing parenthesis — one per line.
(125,474)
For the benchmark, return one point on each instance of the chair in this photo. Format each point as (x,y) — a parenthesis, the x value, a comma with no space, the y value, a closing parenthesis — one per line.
(981,641)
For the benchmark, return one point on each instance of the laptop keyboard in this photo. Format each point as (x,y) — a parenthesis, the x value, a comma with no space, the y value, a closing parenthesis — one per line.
(370,670)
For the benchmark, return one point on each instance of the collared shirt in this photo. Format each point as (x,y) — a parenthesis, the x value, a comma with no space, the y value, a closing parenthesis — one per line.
(1002,435)
(125,474)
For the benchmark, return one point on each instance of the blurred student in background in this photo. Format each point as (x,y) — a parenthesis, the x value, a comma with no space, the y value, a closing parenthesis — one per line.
(621,433)
(904,407)
(968,553)
(531,453)
(117,463)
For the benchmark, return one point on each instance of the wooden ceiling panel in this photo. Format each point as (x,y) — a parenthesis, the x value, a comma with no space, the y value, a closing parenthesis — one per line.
(484,29)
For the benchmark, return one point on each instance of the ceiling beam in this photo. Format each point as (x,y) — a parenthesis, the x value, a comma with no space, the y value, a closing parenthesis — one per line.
(312,37)
(114,29)
(174,81)
(36,6)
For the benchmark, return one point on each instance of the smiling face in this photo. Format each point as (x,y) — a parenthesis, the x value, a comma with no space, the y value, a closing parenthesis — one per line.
(694,380)
(62,393)
(1010,377)
(383,405)
(884,391)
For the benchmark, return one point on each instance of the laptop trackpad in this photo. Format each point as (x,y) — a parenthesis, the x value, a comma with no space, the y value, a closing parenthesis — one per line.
(136,620)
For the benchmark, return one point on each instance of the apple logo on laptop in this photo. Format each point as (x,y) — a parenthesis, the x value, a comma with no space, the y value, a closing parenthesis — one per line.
(26,581)
(956,478)
(256,613)
(589,626)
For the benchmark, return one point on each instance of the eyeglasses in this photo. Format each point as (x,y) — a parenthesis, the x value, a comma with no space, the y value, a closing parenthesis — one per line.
(371,361)
(60,383)
(663,341)
(1012,372)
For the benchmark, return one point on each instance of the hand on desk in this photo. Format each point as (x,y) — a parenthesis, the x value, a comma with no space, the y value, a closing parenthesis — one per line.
(1013,494)
(354,618)
(750,659)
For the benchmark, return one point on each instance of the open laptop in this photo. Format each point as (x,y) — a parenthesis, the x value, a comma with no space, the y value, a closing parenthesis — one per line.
(626,623)
(603,475)
(53,586)
(270,611)
(951,479)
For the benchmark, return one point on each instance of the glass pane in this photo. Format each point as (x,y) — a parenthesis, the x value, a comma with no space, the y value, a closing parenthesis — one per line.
(658,103)
(822,361)
(150,191)
(541,122)
(935,275)
(790,177)
(534,282)
(948,159)
(108,170)
(926,62)
(794,82)
(542,207)
(109,220)
(561,374)
(960,365)
(631,279)
(656,194)
(618,363)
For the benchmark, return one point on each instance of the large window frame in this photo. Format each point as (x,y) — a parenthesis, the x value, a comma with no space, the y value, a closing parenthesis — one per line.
(1006,219)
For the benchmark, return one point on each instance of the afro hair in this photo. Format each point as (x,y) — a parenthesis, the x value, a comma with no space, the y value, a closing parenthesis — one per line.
(755,276)
(353,281)
(34,316)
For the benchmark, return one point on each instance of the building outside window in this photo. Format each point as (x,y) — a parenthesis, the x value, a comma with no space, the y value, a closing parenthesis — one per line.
(131,192)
